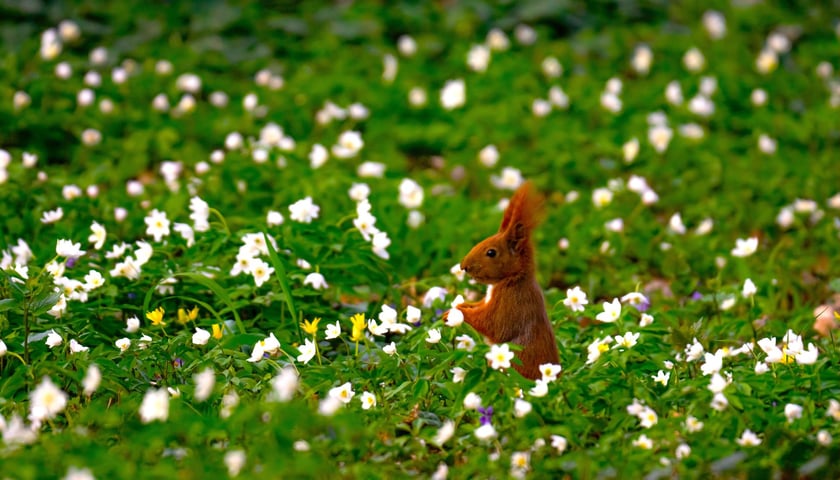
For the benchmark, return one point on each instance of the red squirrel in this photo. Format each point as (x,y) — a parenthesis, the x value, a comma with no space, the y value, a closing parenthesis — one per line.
(515,311)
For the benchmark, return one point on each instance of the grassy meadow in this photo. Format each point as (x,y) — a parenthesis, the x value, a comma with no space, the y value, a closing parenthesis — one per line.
(229,232)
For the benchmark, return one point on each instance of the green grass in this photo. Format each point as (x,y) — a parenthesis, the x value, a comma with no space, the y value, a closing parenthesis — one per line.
(335,53)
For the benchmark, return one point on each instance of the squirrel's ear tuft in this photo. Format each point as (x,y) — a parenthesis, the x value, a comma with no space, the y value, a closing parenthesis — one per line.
(517,237)
(525,208)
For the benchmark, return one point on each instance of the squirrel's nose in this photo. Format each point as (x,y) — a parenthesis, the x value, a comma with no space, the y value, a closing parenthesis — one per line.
(465,268)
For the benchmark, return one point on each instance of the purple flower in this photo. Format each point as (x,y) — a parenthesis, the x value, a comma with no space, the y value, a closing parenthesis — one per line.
(696,295)
(71,262)
(642,306)
(486,415)
(178,362)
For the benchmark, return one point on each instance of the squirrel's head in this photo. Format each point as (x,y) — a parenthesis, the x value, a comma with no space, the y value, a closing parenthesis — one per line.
(508,253)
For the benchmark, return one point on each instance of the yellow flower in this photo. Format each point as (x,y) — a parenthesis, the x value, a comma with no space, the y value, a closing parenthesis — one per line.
(184,316)
(359,325)
(311,327)
(217,331)
(156,316)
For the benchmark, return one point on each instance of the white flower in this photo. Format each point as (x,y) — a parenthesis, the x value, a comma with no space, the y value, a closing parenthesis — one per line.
(155,405)
(748,439)
(719,402)
(453,95)
(316,281)
(267,345)
(53,339)
(157,225)
(201,336)
(93,377)
(693,60)
(824,438)
(611,313)
(713,362)
(465,342)
(558,97)
(660,136)
(833,409)
(575,299)
(284,385)
(3,348)
(540,107)
(411,194)
(359,192)
(717,384)
(234,461)
(510,179)
(412,314)
(662,377)
(349,144)
(550,371)
(97,238)
(433,336)
(628,340)
(521,408)
(499,356)
(597,347)
(715,24)
(766,144)
(261,271)
(200,214)
(700,105)
(274,218)
(645,320)
(807,357)
(611,102)
(758,97)
(333,330)
(793,412)
(455,317)
(643,442)
(444,433)
(602,197)
(371,169)
(204,383)
(68,249)
(390,349)
(368,400)
(46,401)
(630,149)
(745,248)
(485,432)
(186,233)
(304,210)
(472,401)
(488,156)
(694,351)
(406,45)
(123,344)
(559,443)
(76,347)
(642,59)
(343,393)
(478,58)
(458,374)
(540,388)
(307,351)
(761,368)
(749,289)
(417,97)
(767,61)
(52,216)
(389,67)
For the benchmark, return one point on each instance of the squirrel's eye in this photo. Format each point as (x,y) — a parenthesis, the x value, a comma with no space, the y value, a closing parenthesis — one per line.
(491,253)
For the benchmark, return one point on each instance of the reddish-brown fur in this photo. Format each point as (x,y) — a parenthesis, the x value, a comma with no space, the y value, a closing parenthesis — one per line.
(516,311)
